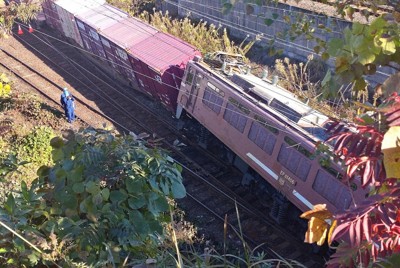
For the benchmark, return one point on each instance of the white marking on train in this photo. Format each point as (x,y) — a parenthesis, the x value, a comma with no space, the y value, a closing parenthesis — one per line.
(303,199)
(267,169)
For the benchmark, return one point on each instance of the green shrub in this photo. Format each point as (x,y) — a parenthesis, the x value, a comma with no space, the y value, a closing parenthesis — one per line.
(104,200)
(35,147)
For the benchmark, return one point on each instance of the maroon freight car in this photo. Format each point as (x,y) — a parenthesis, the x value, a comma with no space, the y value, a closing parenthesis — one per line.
(93,21)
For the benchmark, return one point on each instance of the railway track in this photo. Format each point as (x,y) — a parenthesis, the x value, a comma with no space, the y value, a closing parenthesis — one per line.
(206,178)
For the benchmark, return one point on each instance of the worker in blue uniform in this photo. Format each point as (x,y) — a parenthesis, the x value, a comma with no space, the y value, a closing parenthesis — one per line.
(70,108)
(63,99)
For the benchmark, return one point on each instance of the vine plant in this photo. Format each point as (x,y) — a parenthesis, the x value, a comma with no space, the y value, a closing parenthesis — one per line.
(370,230)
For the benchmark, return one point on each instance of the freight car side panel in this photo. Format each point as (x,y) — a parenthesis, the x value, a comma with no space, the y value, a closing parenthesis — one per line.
(145,85)
(51,14)
(85,37)
(277,152)
(122,36)
(94,21)
(163,58)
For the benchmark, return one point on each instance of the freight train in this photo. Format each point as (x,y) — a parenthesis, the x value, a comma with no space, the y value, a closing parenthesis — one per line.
(269,134)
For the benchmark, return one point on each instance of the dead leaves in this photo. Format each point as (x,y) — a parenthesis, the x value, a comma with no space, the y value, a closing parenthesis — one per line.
(318,226)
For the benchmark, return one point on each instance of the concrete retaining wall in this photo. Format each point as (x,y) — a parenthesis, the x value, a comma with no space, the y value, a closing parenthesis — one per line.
(249,19)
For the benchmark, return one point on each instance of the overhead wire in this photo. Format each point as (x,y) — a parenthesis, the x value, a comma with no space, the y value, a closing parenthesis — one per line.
(134,27)
(197,97)
(130,69)
(247,29)
(168,85)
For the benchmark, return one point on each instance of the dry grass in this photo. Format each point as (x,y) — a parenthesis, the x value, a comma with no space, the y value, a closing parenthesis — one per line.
(206,37)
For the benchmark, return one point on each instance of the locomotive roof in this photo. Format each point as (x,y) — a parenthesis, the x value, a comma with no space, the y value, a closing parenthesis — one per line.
(285,104)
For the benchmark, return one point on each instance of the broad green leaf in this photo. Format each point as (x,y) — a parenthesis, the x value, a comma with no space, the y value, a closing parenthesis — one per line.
(153,183)
(178,190)
(43,171)
(76,174)
(57,155)
(118,195)
(92,187)
(78,188)
(365,57)
(335,46)
(24,190)
(55,211)
(10,204)
(377,25)
(275,16)
(69,201)
(105,193)
(358,28)
(137,202)
(133,185)
(97,199)
(139,222)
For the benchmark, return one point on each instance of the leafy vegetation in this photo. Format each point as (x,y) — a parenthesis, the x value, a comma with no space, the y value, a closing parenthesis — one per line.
(105,198)
(368,232)
(133,7)
(24,11)
(206,38)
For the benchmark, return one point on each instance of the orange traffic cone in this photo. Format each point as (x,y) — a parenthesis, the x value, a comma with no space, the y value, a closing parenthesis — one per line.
(20,32)
(30,29)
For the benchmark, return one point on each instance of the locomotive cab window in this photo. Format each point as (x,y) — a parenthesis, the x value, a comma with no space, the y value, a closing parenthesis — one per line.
(213,97)
(236,114)
(295,158)
(263,134)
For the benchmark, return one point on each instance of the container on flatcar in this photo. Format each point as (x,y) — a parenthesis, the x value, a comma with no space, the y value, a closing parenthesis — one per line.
(117,39)
(163,59)
(269,131)
(60,15)
(93,21)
